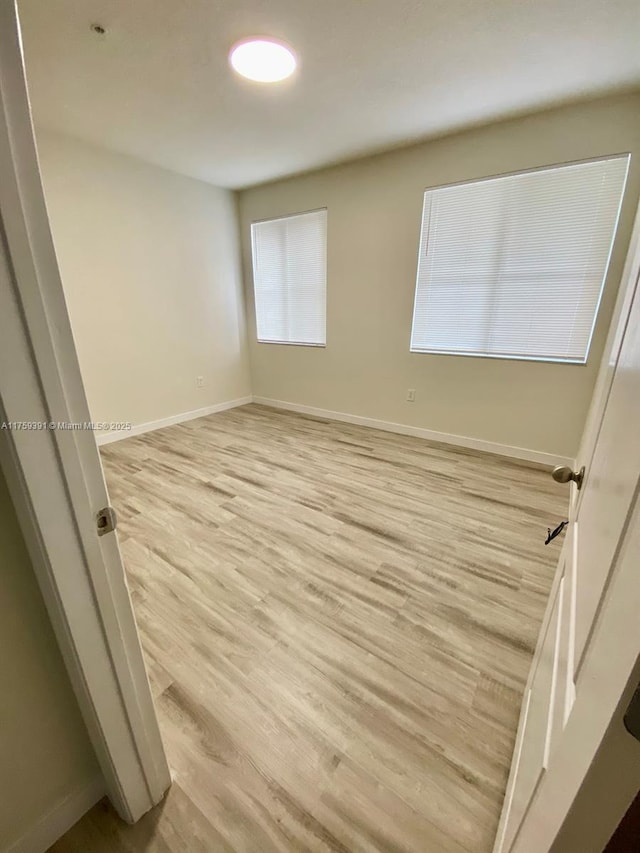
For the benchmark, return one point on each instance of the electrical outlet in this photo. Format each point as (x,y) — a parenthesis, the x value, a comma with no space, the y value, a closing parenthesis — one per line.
(199,381)
(411,395)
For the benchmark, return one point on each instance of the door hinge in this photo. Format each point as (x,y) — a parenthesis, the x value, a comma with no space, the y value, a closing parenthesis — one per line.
(106,520)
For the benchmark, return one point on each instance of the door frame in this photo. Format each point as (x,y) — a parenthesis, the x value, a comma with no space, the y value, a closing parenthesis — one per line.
(54,476)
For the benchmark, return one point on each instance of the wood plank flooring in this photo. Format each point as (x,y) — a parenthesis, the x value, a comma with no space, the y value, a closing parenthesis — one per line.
(338,624)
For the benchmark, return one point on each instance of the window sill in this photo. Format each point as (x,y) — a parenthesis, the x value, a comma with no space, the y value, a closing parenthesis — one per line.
(292,344)
(501,357)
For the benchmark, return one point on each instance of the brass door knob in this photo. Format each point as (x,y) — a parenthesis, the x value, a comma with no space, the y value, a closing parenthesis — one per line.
(564,474)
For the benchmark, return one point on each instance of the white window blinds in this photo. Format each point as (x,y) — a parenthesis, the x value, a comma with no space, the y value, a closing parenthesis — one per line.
(290,278)
(513,267)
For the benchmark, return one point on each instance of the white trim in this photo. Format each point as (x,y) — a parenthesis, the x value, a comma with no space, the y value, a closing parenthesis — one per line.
(53,825)
(507,450)
(55,478)
(149,426)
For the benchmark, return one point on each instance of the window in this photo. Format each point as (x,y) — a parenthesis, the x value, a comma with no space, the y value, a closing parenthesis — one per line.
(290,278)
(513,267)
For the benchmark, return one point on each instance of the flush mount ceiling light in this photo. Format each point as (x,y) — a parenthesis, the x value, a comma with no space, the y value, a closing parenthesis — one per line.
(264,60)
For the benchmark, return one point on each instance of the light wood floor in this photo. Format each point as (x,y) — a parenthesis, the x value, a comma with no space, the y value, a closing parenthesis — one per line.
(338,624)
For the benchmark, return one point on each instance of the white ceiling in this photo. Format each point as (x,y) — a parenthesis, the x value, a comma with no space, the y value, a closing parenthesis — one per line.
(373,74)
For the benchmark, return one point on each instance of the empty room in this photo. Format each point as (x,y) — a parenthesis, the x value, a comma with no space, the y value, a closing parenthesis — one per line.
(320,394)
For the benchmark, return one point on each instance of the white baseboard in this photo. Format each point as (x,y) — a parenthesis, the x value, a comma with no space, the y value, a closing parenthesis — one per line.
(61,818)
(507,450)
(139,429)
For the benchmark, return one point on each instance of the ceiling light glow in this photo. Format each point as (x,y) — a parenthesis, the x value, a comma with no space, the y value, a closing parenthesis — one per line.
(264,60)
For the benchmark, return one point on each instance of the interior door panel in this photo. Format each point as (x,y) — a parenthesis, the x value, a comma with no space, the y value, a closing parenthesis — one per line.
(558,717)
(535,735)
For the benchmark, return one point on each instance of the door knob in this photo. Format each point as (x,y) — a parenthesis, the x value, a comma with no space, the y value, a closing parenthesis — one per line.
(564,474)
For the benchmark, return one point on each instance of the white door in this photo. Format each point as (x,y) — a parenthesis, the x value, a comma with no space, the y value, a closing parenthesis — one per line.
(54,474)
(558,716)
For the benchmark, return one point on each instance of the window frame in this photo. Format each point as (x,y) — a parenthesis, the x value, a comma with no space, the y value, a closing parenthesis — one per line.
(253,222)
(513,173)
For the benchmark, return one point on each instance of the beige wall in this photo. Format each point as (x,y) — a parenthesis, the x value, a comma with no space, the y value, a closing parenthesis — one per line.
(374,211)
(151,273)
(45,754)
